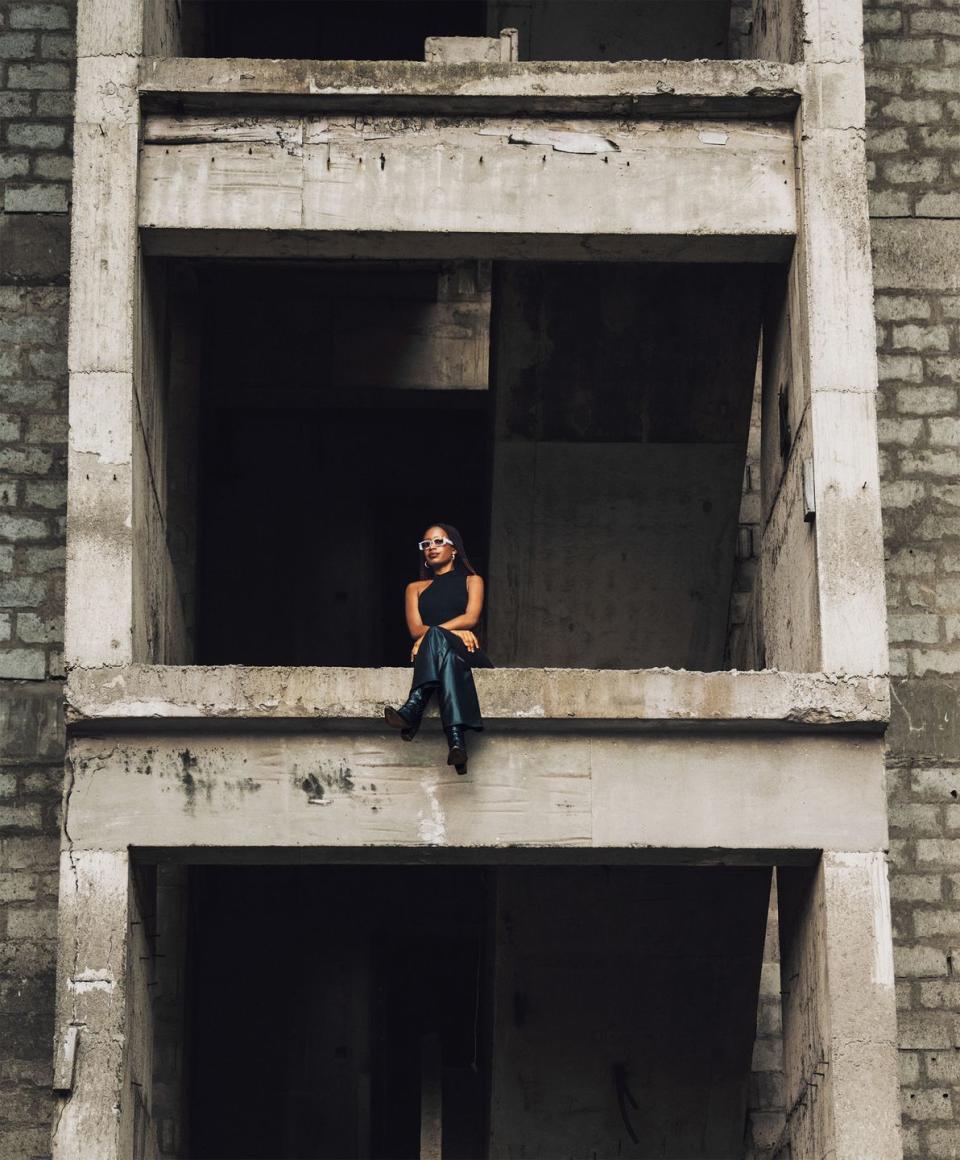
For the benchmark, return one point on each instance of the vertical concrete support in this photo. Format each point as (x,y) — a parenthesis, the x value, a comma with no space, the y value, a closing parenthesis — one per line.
(831,298)
(103,333)
(104,1045)
(829,413)
(101,360)
(839,1019)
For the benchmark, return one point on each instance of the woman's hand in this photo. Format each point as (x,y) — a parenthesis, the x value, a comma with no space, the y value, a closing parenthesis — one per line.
(416,647)
(468,638)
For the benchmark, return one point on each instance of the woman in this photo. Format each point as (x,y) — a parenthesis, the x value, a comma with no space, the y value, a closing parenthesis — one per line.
(443,608)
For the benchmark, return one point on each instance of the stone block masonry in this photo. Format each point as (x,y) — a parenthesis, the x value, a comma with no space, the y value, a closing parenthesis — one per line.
(33,397)
(36,107)
(913,79)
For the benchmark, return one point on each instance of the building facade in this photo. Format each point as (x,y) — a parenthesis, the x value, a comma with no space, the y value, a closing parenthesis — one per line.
(623,316)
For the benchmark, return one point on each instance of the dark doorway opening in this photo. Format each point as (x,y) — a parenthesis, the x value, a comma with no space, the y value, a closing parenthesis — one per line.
(307,1044)
(344,411)
(550,993)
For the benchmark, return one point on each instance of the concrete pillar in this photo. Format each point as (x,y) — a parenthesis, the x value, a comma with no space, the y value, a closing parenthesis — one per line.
(103,333)
(103,1047)
(824,365)
(839,1018)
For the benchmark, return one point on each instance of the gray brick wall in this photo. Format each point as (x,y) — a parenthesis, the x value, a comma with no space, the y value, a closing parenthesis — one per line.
(913,91)
(36,81)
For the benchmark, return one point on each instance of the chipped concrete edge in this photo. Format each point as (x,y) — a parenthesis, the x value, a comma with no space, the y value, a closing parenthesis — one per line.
(158,692)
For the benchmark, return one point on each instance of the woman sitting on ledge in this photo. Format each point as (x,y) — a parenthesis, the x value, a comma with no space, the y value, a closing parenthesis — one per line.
(443,608)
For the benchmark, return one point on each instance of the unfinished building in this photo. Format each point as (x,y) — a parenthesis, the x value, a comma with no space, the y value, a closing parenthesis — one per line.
(548,279)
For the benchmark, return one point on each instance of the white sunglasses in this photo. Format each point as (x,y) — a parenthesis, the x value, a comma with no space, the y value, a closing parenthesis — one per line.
(436,542)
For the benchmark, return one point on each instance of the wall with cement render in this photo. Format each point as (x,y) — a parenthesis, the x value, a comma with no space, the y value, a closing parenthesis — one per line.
(36,102)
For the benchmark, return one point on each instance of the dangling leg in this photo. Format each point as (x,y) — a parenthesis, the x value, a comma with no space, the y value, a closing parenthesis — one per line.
(408,717)
(439,665)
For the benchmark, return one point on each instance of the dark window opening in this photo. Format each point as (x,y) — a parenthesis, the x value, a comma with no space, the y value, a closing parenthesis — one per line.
(585,426)
(328,29)
(396,29)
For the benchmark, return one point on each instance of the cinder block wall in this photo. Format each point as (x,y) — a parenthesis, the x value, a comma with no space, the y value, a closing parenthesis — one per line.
(36,100)
(913,91)
(913,51)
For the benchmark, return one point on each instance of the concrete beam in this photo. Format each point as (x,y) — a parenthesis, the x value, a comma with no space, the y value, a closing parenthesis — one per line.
(135,694)
(839,1018)
(377,245)
(417,175)
(347,789)
(755,89)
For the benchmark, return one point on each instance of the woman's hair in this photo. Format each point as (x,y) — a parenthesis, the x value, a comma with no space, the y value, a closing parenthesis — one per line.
(461,561)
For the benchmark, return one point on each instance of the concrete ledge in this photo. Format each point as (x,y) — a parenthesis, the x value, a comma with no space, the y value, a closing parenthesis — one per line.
(662,697)
(755,89)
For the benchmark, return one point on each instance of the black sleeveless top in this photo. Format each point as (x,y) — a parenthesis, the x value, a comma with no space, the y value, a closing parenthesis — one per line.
(444,597)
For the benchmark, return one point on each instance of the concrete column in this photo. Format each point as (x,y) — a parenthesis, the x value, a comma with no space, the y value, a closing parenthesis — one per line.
(839,1019)
(103,1047)
(833,297)
(103,334)
(828,378)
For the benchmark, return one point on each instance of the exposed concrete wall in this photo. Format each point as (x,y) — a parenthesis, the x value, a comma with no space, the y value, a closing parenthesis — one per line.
(839,1016)
(618,461)
(103,1053)
(615,29)
(160,613)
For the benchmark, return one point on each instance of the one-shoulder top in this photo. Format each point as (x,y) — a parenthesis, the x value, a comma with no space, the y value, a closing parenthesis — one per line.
(444,597)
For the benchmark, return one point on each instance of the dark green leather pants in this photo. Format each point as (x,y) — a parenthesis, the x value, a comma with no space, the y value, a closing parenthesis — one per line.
(444,664)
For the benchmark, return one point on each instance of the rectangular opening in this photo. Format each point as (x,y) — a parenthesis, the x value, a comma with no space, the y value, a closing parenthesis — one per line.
(605,1011)
(397,29)
(585,425)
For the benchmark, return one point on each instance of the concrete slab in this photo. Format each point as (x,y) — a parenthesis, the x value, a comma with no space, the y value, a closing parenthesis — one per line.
(571,698)
(755,88)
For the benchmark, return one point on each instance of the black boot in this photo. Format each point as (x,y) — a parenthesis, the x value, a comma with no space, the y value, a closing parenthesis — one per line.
(408,717)
(457,757)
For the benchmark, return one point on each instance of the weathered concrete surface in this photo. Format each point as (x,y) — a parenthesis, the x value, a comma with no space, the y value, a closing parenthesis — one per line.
(379,245)
(102,358)
(617,30)
(839,1009)
(347,789)
(104,1084)
(832,304)
(753,88)
(494,176)
(233,692)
